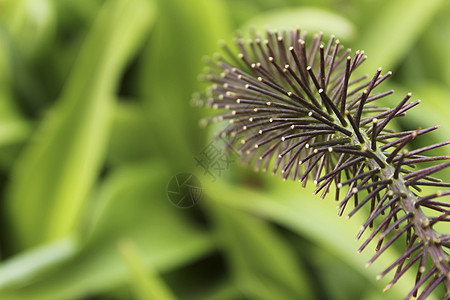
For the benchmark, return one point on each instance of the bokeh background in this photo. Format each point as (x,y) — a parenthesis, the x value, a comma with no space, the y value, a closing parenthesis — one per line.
(96,119)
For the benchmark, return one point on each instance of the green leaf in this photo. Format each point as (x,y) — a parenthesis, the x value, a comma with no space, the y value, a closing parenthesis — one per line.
(31,23)
(54,174)
(394,30)
(309,19)
(14,129)
(129,135)
(263,265)
(435,47)
(184,33)
(28,265)
(146,284)
(131,204)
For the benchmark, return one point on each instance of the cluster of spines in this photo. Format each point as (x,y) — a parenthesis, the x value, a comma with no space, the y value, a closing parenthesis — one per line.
(295,108)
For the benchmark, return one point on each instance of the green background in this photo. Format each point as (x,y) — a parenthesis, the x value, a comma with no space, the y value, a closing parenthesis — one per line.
(96,118)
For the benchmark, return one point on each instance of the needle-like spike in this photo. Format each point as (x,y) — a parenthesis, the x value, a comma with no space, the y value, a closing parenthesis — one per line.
(295,107)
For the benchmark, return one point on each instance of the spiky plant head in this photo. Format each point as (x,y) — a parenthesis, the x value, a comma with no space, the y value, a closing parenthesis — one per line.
(293,104)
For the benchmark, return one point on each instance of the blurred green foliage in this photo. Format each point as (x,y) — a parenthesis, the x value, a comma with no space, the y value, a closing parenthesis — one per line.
(95,119)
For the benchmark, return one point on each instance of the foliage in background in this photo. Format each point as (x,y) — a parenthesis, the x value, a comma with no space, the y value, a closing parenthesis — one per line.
(95,118)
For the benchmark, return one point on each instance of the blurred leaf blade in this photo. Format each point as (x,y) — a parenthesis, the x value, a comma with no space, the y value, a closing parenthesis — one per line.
(132,205)
(146,284)
(171,68)
(14,128)
(310,19)
(129,139)
(30,23)
(249,244)
(61,165)
(30,264)
(397,27)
